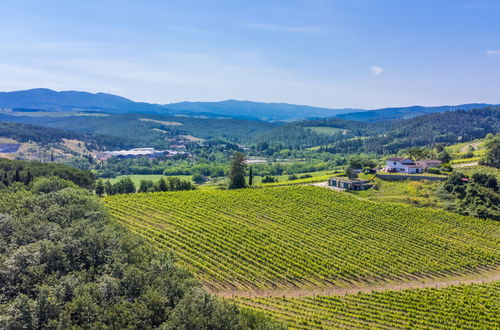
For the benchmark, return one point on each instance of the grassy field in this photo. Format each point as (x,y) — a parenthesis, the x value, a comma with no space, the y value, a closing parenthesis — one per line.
(418,193)
(457,307)
(317,176)
(136,178)
(470,170)
(217,182)
(304,237)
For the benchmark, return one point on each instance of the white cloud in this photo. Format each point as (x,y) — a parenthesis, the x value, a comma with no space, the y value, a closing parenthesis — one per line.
(376,70)
(285,28)
(493,52)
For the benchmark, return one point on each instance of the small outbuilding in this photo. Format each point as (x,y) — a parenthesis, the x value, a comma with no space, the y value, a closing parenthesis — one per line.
(349,184)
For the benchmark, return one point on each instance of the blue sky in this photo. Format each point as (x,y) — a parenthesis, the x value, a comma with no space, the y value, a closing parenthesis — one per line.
(357,53)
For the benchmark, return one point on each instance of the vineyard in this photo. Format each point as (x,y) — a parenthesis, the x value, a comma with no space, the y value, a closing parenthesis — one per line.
(456,307)
(470,170)
(305,237)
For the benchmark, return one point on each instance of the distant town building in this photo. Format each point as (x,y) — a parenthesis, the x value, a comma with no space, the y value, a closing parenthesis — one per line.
(131,153)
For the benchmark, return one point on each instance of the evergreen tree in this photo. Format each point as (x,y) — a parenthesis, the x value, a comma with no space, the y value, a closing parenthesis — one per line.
(444,156)
(108,188)
(17,176)
(250,176)
(5,180)
(128,185)
(492,157)
(99,188)
(162,185)
(237,171)
(28,178)
(145,186)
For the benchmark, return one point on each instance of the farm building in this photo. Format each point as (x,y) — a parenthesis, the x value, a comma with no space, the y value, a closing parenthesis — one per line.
(349,184)
(406,165)
(429,163)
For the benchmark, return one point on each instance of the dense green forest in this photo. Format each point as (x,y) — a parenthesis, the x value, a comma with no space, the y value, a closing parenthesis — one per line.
(385,137)
(42,135)
(128,130)
(12,171)
(64,264)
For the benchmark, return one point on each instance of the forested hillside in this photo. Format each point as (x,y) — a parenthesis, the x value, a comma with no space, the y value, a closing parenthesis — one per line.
(42,135)
(64,264)
(406,112)
(127,131)
(387,137)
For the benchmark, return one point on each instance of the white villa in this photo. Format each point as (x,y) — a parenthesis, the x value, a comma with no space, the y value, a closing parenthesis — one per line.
(406,165)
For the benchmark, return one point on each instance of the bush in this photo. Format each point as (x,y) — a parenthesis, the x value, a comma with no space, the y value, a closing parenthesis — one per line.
(433,170)
(44,185)
(269,179)
(446,168)
(197,178)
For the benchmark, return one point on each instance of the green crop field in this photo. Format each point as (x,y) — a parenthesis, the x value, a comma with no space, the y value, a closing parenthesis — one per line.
(456,307)
(304,236)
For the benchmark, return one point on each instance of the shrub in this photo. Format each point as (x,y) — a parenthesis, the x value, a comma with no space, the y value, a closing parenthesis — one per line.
(433,170)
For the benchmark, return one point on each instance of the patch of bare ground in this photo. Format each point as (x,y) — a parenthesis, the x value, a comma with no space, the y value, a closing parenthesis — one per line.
(465,164)
(475,145)
(485,275)
(162,122)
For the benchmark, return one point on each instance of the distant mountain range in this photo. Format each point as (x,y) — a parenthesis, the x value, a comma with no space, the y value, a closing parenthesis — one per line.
(74,101)
(257,110)
(406,112)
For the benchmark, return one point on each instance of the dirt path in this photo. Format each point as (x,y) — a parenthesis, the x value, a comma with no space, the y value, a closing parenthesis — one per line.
(325,185)
(486,276)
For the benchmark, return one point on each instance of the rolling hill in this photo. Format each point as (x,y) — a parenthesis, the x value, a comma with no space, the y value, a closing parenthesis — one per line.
(76,101)
(406,112)
(305,237)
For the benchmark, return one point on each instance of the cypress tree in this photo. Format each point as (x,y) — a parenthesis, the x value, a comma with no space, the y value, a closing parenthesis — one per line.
(17,176)
(250,176)
(5,180)
(28,178)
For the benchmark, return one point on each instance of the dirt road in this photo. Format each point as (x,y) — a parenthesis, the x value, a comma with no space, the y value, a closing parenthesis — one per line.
(486,276)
